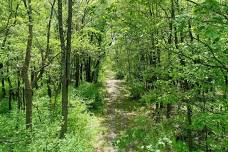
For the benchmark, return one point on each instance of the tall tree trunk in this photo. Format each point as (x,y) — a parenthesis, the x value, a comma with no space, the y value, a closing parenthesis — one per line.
(169,105)
(65,62)
(189,106)
(25,69)
(48,52)
(64,87)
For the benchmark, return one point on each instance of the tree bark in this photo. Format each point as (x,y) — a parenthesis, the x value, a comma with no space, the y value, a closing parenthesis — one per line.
(65,62)
(25,69)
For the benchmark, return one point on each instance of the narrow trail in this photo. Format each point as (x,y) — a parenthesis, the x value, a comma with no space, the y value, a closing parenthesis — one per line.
(118,113)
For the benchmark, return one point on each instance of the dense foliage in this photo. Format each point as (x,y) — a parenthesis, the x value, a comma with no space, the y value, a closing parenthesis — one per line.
(174,56)
(55,55)
(41,65)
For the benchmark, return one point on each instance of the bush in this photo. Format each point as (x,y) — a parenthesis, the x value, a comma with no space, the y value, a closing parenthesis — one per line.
(136,89)
(119,75)
(91,94)
(81,136)
(149,98)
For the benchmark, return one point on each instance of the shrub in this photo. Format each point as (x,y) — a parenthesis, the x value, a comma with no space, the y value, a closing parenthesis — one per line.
(82,129)
(119,75)
(91,94)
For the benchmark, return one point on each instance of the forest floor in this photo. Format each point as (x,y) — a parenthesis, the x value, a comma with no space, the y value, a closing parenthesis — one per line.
(119,112)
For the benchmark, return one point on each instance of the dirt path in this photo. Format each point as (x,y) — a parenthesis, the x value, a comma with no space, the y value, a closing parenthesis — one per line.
(118,113)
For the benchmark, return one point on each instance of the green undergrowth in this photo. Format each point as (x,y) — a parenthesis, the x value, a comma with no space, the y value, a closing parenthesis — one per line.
(146,135)
(92,95)
(83,125)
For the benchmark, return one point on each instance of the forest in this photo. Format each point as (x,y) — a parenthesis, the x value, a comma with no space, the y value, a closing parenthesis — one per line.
(113,76)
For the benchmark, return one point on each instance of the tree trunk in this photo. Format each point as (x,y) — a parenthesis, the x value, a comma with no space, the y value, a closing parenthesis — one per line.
(189,106)
(18,93)
(3,87)
(157,110)
(77,71)
(49,87)
(81,71)
(25,69)
(65,62)
(169,110)
(88,69)
(23,98)
(95,73)
(64,87)
(169,105)
(189,130)
(10,94)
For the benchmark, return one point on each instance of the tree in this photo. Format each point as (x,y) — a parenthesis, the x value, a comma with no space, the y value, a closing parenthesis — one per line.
(66,50)
(26,65)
